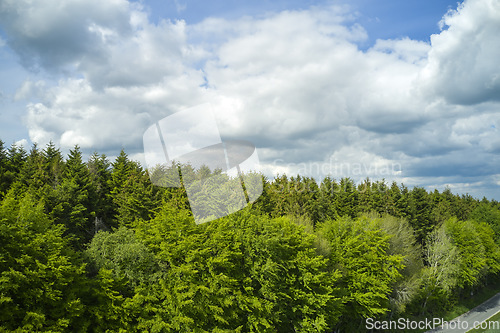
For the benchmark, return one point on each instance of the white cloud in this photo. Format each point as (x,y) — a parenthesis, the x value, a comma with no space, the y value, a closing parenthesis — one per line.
(463,62)
(105,119)
(30,90)
(295,83)
(54,34)
(22,143)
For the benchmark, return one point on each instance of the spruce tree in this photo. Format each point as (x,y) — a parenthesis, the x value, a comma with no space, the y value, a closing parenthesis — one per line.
(101,202)
(72,199)
(4,182)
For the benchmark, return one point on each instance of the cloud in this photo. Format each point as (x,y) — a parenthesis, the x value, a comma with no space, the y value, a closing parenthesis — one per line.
(295,83)
(53,34)
(108,119)
(463,62)
(30,90)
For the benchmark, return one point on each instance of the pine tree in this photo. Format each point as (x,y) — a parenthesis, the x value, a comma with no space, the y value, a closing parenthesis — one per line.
(31,174)
(327,199)
(101,202)
(421,213)
(347,198)
(136,198)
(72,200)
(54,165)
(4,182)
(365,196)
(39,274)
(16,158)
(120,172)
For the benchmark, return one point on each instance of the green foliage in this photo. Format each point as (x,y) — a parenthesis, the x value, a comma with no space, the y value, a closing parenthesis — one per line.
(122,254)
(404,243)
(242,273)
(486,212)
(359,250)
(440,275)
(4,183)
(101,203)
(71,200)
(38,273)
(302,258)
(477,250)
(421,213)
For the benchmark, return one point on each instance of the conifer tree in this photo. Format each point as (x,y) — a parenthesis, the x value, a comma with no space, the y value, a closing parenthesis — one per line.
(421,213)
(72,199)
(136,198)
(101,202)
(4,182)
(327,199)
(54,165)
(31,174)
(347,198)
(40,275)
(16,157)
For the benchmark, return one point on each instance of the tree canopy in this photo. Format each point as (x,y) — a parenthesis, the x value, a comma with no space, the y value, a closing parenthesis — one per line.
(93,246)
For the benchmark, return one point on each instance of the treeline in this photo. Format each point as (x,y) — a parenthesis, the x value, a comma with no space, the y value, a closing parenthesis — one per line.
(94,246)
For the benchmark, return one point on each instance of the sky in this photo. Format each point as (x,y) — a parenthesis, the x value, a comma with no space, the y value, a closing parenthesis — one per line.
(406,91)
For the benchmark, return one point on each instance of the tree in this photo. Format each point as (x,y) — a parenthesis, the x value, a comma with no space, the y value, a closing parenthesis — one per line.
(440,275)
(478,253)
(30,176)
(39,274)
(53,165)
(327,199)
(72,202)
(101,203)
(241,273)
(136,199)
(403,243)
(421,211)
(359,250)
(486,212)
(124,255)
(347,204)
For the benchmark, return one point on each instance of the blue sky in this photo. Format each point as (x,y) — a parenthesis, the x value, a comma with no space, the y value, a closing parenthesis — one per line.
(382,18)
(401,90)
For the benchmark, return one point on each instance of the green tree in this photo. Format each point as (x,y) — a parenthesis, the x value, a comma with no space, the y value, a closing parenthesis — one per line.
(137,198)
(486,212)
(242,273)
(101,203)
(440,275)
(347,198)
(421,213)
(53,165)
(31,176)
(327,199)
(403,243)
(478,253)
(4,181)
(72,201)
(359,250)
(124,255)
(39,274)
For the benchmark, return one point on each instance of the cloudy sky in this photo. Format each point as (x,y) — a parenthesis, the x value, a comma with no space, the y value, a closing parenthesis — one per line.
(402,90)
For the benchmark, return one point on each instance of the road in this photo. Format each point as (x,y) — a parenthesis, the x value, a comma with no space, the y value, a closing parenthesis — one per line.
(466,321)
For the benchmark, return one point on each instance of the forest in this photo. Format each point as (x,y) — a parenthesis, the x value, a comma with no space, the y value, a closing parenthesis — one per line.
(93,246)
